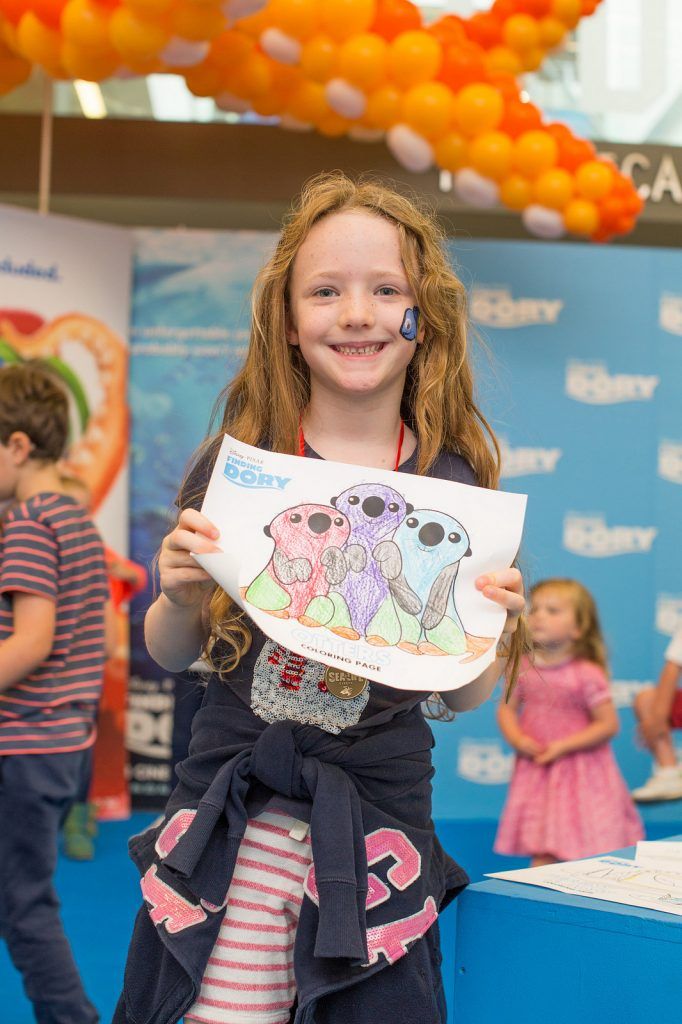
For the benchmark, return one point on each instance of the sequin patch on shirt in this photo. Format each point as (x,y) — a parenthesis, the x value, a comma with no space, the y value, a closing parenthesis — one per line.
(289,687)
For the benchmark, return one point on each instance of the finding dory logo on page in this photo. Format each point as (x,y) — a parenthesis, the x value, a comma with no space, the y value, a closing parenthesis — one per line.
(246,473)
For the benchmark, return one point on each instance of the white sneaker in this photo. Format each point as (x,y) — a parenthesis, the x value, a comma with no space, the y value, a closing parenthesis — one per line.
(664,784)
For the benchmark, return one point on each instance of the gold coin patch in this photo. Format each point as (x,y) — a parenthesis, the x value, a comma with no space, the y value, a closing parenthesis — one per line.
(342,684)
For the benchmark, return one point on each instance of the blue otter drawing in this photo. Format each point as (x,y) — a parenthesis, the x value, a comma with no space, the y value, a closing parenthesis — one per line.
(421,562)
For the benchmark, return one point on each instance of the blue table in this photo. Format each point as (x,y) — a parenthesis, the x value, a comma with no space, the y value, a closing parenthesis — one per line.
(526,955)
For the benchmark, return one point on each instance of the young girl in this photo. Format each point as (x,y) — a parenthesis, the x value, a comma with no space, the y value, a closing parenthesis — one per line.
(259,905)
(567,798)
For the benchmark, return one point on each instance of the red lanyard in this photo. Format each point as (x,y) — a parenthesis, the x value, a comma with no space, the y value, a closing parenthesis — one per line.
(301,443)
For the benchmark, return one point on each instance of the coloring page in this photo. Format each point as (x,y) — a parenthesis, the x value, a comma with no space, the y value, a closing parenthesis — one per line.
(368,571)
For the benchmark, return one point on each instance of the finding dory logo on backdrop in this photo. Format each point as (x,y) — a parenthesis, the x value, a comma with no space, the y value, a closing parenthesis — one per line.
(369,566)
(363,570)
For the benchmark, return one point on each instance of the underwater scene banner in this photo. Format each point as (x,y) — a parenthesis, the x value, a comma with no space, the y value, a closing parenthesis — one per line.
(365,570)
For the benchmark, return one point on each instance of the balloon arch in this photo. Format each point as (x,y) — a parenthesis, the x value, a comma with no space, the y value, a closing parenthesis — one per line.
(447,94)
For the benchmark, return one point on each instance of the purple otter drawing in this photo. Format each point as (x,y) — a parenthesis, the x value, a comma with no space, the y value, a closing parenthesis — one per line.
(374,512)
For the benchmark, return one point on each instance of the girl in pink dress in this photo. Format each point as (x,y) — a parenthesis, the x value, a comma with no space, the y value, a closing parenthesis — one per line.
(567,798)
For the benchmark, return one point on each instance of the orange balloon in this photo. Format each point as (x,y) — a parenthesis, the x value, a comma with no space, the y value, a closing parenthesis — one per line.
(91,65)
(297,18)
(342,19)
(333,125)
(308,103)
(134,37)
(383,107)
(428,108)
(450,151)
(521,32)
(395,16)
(197,22)
(414,57)
(14,71)
(593,179)
(532,59)
(362,60)
(146,8)
(478,108)
(535,152)
(516,192)
(568,11)
(318,58)
(251,78)
(230,48)
(86,24)
(204,79)
(554,188)
(490,154)
(581,217)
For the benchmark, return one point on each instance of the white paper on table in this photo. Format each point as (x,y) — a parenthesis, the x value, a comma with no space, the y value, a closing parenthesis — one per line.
(252,497)
(659,853)
(614,879)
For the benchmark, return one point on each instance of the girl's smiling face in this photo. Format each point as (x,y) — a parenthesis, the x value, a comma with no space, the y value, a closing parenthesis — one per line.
(347,299)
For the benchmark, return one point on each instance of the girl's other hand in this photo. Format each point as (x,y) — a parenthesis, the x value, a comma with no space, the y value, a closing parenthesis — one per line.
(183,581)
(529,747)
(506,589)
(552,752)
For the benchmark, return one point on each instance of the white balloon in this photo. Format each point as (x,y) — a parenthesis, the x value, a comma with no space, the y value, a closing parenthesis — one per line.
(543,222)
(362,134)
(280,46)
(473,188)
(235,9)
(345,99)
(182,53)
(292,124)
(410,149)
(232,104)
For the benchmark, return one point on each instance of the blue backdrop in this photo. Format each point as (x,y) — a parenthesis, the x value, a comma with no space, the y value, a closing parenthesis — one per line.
(579,365)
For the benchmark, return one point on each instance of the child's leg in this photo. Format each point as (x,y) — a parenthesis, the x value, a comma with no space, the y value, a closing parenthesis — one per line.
(662,747)
(542,859)
(36,791)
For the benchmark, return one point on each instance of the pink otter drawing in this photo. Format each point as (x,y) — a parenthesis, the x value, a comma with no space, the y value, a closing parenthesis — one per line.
(307,559)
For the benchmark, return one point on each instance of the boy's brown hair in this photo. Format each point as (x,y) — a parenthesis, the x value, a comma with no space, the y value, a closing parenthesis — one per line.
(32,401)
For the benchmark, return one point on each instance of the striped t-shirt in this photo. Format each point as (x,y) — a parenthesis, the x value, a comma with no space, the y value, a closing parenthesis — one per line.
(50,547)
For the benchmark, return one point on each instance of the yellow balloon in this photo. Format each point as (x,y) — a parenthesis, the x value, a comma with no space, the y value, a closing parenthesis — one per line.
(554,188)
(581,217)
(593,179)
(568,11)
(86,24)
(414,57)
(319,58)
(92,65)
(450,151)
(297,18)
(552,31)
(362,60)
(342,19)
(535,152)
(478,108)
(521,32)
(383,107)
(490,154)
(516,192)
(428,109)
(136,38)
(197,22)
(501,58)
(38,43)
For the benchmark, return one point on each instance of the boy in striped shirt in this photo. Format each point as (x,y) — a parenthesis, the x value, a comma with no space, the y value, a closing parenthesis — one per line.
(53,591)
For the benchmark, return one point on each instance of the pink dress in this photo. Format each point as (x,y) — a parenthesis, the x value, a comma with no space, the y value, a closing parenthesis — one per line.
(579,805)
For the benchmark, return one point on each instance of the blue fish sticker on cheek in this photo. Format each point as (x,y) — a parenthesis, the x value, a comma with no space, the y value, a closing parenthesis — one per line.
(408,328)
